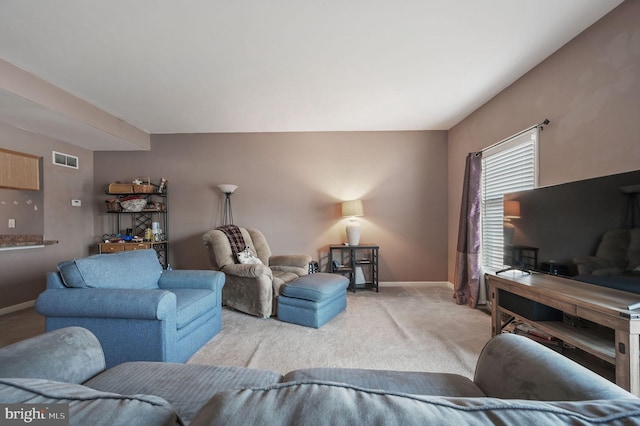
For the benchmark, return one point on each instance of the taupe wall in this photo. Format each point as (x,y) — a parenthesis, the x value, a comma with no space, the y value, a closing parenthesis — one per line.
(23,271)
(290,187)
(589,89)
(25,207)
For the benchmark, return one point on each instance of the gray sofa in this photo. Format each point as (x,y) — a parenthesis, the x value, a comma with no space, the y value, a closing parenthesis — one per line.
(517,381)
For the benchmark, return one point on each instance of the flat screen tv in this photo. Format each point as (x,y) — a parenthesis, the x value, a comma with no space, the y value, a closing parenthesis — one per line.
(561,223)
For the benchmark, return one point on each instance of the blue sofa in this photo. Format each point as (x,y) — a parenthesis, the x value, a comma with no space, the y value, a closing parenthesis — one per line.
(138,311)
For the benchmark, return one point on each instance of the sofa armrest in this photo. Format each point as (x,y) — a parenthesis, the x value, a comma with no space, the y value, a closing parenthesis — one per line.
(295,260)
(107,303)
(292,269)
(514,367)
(248,270)
(208,280)
(70,355)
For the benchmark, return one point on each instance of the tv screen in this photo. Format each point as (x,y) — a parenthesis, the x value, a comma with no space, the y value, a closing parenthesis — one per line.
(561,223)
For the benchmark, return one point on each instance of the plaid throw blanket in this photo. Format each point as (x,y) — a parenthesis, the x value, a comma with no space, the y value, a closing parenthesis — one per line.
(236,240)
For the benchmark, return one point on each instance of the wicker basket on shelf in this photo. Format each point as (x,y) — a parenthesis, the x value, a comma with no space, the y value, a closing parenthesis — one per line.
(143,187)
(113,205)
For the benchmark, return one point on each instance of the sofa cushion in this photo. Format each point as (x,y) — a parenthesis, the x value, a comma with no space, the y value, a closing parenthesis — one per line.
(186,386)
(280,278)
(127,269)
(323,403)
(413,382)
(192,303)
(88,406)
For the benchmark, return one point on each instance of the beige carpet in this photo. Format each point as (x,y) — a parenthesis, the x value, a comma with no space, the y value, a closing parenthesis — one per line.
(399,328)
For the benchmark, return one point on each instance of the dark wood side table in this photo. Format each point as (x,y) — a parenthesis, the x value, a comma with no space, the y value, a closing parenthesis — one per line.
(349,260)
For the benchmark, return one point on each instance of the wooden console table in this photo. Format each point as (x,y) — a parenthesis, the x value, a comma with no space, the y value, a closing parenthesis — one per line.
(601,305)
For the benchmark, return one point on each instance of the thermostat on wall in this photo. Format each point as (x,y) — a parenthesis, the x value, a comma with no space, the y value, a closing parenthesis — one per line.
(76,203)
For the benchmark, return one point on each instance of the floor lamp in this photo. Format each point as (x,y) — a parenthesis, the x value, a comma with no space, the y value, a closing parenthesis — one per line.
(227,215)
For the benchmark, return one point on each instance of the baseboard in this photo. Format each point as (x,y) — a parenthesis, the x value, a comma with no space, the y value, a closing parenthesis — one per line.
(414,283)
(18,307)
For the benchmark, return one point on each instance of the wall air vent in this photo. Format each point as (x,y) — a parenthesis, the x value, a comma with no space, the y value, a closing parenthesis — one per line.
(64,160)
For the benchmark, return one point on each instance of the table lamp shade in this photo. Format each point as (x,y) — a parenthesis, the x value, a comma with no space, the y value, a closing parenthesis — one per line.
(512,209)
(352,208)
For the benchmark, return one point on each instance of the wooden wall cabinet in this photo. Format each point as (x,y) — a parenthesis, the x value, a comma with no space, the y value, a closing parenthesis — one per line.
(19,171)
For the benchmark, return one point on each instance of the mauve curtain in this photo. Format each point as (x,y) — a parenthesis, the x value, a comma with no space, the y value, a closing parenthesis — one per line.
(466,281)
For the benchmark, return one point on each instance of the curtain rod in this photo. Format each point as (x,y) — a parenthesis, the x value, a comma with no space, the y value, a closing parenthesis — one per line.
(540,125)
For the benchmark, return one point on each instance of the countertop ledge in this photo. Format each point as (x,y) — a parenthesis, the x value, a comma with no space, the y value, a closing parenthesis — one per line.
(18,241)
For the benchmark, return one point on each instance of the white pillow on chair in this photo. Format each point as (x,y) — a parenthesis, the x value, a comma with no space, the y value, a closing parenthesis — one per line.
(247,256)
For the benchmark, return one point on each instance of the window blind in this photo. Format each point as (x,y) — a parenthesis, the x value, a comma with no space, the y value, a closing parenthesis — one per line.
(509,166)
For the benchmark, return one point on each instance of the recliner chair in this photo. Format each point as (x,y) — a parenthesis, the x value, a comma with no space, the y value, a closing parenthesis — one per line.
(253,288)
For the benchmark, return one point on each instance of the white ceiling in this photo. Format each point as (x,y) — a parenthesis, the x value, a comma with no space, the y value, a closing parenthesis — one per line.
(288,65)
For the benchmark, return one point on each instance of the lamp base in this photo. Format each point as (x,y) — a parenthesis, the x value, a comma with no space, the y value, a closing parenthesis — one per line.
(353,233)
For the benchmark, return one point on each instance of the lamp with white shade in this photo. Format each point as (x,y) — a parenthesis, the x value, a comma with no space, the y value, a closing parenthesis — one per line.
(353,209)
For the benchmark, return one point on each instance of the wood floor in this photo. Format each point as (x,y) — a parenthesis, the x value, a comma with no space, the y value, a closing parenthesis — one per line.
(20,325)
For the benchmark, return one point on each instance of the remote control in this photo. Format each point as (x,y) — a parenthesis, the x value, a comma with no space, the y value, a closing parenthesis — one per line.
(633,306)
